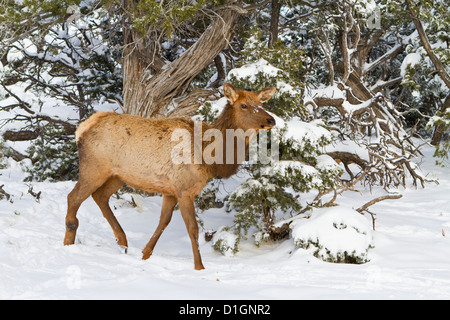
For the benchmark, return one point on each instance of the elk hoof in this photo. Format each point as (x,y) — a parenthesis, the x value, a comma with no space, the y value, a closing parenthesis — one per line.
(123,249)
(146,254)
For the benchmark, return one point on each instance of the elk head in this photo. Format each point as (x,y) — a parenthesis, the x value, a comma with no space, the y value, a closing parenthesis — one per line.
(247,107)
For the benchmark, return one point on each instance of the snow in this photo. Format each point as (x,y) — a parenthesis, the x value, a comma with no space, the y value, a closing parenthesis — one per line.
(410,258)
(331,232)
(302,132)
(332,92)
(250,70)
(227,241)
(312,130)
(326,163)
(351,108)
(349,146)
(411,60)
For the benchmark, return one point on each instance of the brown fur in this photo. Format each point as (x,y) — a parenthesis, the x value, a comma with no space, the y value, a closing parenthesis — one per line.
(115,149)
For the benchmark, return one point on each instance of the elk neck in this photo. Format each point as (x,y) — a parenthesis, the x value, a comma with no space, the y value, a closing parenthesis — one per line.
(226,120)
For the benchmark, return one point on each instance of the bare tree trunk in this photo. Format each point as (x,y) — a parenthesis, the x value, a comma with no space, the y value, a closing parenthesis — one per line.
(274,19)
(148,87)
(221,74)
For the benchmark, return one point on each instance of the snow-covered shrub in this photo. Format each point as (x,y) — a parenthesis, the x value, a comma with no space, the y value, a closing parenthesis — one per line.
(336,234)
(4,153)
(257,200)
(273,190)
(441,121)
(209,198)
(226,242)
(279,66)
(53,155)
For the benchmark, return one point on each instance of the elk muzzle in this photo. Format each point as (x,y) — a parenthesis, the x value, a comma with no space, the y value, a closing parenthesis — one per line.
(270,123)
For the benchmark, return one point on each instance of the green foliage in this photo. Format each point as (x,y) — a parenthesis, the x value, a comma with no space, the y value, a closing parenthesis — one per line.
(322,253)
(166,15)
(102,76)
(256,201)
(443,147)
(54,156)
(206,113)
(209,199)
(4,153)
(226,242)
(441,153)
(305,150)
(286,64)
(70,62)
(16,13)
(272,189)
(284,56)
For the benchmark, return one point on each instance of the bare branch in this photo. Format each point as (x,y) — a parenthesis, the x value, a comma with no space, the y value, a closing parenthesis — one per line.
(256,6)
(388,55)
(380,86)
(326,48)
(376,200)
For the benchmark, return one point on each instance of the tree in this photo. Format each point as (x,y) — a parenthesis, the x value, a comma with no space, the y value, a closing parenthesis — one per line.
(440,19)
(426,44)
(147,94)
(57,61)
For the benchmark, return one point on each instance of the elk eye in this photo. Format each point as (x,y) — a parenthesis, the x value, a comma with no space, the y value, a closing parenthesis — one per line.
(244,106)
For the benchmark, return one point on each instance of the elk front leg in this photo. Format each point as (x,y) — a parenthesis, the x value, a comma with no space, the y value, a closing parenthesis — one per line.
(188,213)
(168,205)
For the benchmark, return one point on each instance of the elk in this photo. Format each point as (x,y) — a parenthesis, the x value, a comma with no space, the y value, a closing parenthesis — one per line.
(115,149)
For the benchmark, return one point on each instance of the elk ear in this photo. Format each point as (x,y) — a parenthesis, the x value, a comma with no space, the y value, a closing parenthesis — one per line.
(265,94)
(230,92)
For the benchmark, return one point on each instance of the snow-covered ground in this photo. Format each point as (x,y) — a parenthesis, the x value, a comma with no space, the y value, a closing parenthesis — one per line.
(410,260)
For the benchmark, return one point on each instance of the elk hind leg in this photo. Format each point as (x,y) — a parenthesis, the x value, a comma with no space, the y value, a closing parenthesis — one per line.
(101,197)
